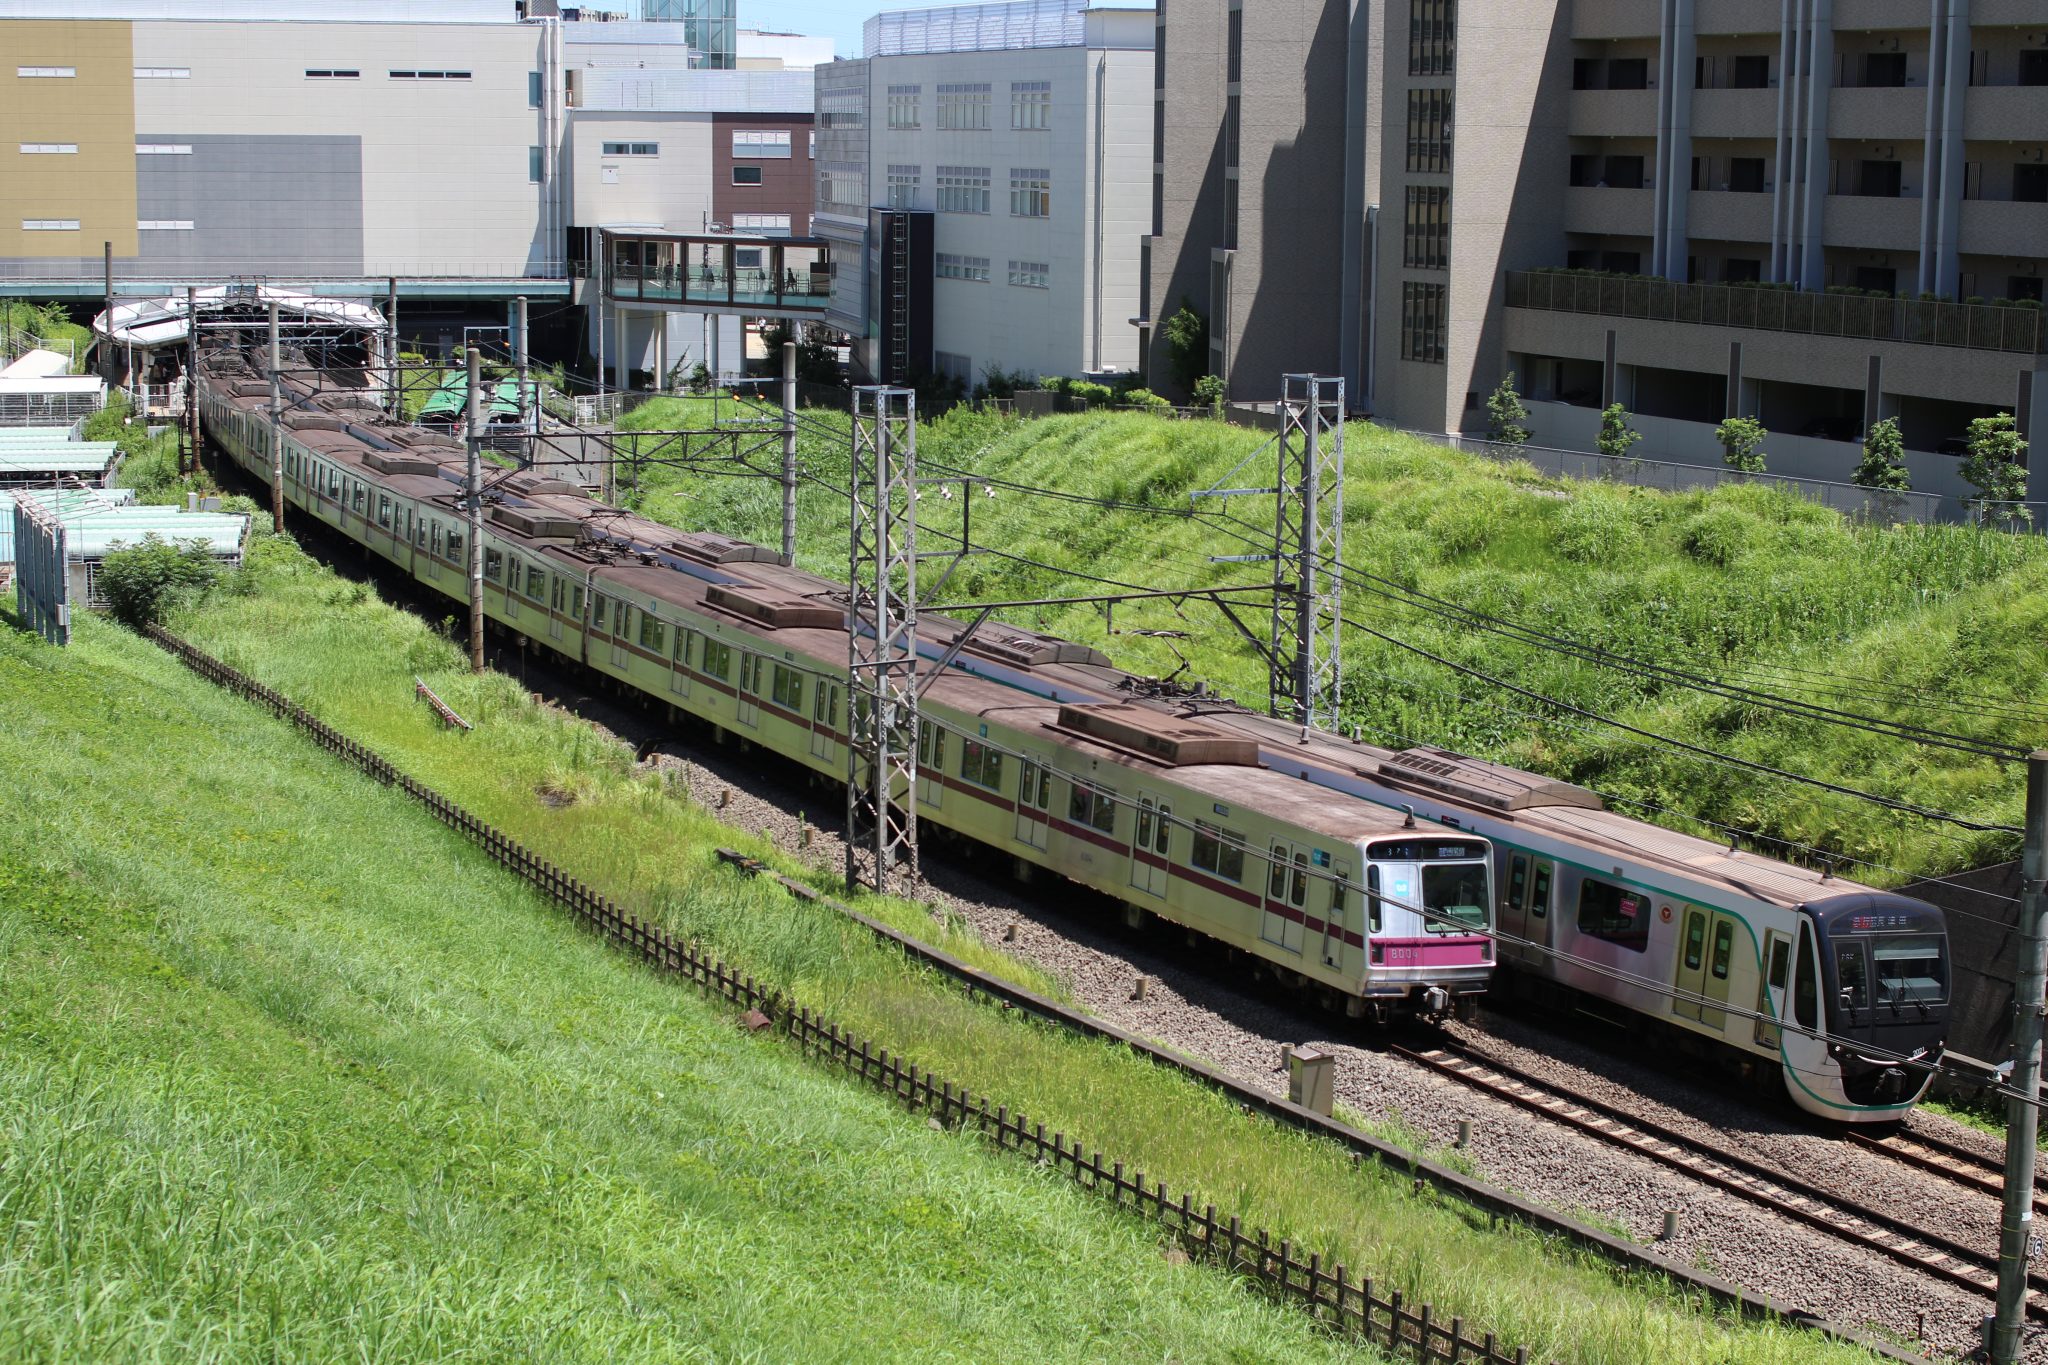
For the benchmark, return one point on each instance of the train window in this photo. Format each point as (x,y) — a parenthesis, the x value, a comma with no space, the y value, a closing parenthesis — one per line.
(750,673)
(1162,840)
(494,564)
(622,622)
(931,748)
(360,494)
(1276,873)
(384,511)
(1034,785)
(576,601)
(1297,894)
(653,634)
(1220,851)
(1518,879)
(1614,913)
(536,583)
(686,642)
(435,549)
(717,659)
(1373,911)
(1909,969)
(1539,892)
(786,688)
(1805,986)
(1088,806)
(1852,972)
(455,547)
(1724,947)
(599,605)
(561,591)
(1695,940)
(1781,960)
(982,764)
(1454,897)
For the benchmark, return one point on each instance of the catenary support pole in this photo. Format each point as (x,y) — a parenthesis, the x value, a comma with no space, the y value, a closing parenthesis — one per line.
(276,428)
(529,416)
(2022,1118)
(788,453)
(391,344)
(189,463)
(475,442)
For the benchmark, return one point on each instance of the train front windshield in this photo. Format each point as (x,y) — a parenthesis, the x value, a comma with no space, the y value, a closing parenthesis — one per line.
(1908,969)
(1448,877)
(1454,897)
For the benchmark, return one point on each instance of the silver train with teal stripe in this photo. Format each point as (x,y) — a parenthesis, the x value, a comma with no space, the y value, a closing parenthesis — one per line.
(1374,881)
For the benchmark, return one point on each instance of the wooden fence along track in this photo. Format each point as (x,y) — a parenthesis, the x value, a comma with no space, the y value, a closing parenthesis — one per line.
(1332,1294)
(1918,1248)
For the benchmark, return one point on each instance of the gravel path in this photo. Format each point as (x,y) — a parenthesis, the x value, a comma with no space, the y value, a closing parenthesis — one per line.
(1241,1031)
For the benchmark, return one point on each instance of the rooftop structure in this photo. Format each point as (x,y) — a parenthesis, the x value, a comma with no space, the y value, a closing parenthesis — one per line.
(975,28)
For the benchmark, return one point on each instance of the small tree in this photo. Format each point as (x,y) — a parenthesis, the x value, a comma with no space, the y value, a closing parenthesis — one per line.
(1741,441)
(1884,459)
(1187,345)
(1616,435)
(1507,418)
(1209,393)
(1996,465)
(143,582)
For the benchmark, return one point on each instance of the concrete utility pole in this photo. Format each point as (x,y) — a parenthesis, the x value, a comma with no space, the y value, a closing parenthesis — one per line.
(276,429)
(476,515)
(2022,1118)
(529,417)
(107,354)
(190,463)
(391,344)
(788,453)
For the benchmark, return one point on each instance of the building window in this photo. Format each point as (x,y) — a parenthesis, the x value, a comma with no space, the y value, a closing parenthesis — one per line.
(963,189)
(1423,326)
(903,102)
(429,75)
(953,267)
(903,184)
(964,106)
(632,149)
(1429,131)
(535,88)
(53,73)
(164,225)
(746,175)
(1426,232)
(1030,193)
(1031,105)
(533,165)
(49,149)
(760,222)
(1031,274)
(49,225)
(160,73)
(841,187)
(767,144)
(947,365)
(326,74)
(163,149)
(1432,37)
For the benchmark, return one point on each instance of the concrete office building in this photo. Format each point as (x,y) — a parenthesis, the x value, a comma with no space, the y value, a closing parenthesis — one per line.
(983,179)
(1314,203)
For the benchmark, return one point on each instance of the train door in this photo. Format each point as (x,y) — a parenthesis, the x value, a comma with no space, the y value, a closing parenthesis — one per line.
(824,717)
(1286,896)
(622,621)
(1513,919)
(1770,988)
(434,550)
(1034,796)
(1149,843)
(931,764)
(1720,965)
(1690,974)
(680,661)
(558,597)
(1857,1010)
(1541,875)
(1336,920)
(749,701)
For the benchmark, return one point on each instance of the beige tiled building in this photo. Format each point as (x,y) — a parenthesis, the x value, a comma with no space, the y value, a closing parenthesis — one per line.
(1817,212)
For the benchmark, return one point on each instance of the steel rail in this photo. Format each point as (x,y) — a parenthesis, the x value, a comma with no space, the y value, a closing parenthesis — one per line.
(1917,1248)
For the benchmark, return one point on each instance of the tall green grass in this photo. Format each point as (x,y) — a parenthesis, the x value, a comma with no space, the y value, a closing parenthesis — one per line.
(288,1072)
(1938,626)
(352,659)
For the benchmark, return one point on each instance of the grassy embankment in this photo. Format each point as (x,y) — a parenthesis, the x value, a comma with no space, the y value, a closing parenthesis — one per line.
(288,1071)
(1936,626)
(351,658)
(51,323)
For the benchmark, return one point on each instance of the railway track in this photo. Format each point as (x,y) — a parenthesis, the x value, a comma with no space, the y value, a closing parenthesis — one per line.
(1950,1160)
(1709,1163)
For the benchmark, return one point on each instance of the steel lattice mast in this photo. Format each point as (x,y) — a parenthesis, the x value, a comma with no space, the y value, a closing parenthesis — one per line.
(1308,538)
(881,651)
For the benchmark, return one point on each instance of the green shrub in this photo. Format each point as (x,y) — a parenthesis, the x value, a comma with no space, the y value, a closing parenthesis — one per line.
(1718,536)
(1209,393)
(1596,530)
(1507,418)
(143,582)
(1997,466)
(1884,458)
(1742,441)
(1616,435)
(1187,346)
(1462,526)
(1144,398)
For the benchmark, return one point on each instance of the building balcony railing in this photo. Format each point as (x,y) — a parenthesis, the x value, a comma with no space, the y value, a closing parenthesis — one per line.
(1980,327)
(724,289)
